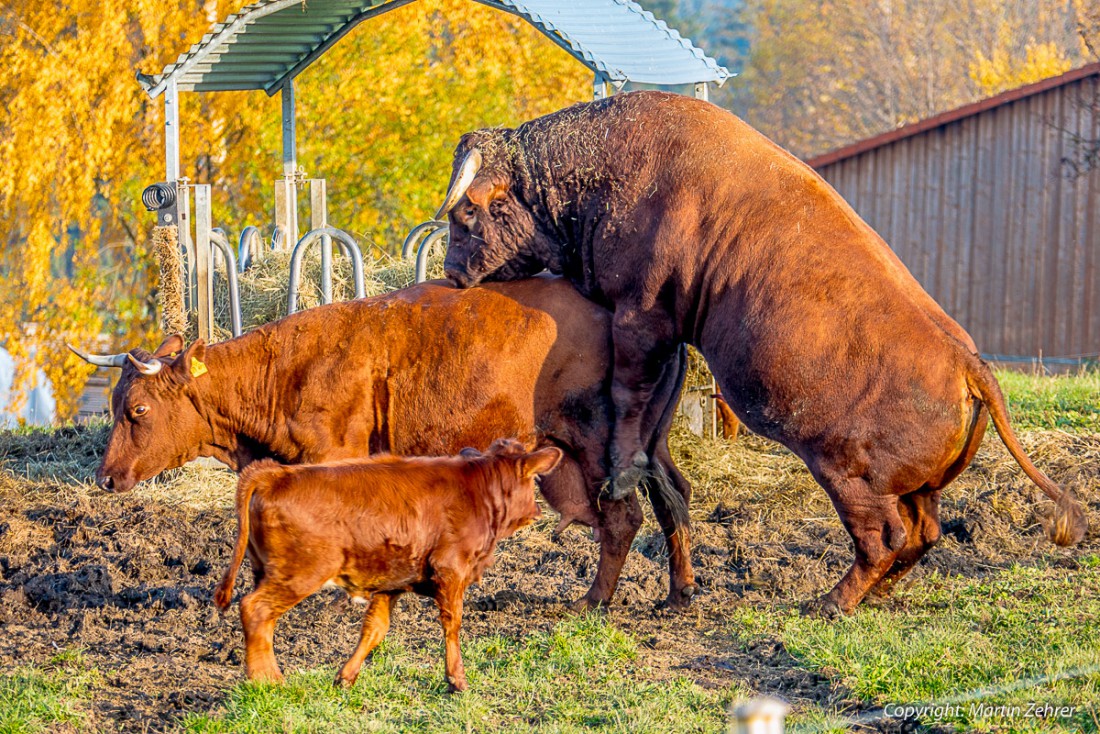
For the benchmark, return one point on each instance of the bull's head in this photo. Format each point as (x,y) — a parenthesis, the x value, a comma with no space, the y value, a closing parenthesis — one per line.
(494,234)
(157,424)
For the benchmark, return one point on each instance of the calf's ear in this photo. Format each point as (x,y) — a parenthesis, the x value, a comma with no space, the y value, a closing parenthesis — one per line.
(542,461)
(169,346)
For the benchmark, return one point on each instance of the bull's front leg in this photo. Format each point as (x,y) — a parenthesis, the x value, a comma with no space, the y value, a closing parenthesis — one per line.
(643,344)
(449,599)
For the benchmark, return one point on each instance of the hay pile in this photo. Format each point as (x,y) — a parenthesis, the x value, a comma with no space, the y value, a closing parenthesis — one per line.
(263,287)
(173,316)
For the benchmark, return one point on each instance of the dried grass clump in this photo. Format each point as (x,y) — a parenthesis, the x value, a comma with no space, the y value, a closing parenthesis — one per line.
(263,287)
(173,316)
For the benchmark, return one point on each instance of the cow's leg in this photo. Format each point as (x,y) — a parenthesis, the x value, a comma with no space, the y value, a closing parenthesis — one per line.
(376,623)
(618,524)
(681,576)
(449,599)
(878,534)
(643,346)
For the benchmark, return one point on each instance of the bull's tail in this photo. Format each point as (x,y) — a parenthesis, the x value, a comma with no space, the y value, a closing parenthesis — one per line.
(246,486)
(1069,524)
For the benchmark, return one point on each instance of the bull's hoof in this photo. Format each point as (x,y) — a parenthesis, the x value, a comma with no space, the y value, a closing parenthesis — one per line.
(585,605)
(823,608)
(628,480)
(679,600)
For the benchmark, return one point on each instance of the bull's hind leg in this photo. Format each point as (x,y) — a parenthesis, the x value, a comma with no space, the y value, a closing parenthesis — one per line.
(376,623)
(920,511)
(878,534)
(677,531)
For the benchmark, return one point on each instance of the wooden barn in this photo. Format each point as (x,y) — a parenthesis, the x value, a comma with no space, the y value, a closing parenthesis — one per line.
(995,208)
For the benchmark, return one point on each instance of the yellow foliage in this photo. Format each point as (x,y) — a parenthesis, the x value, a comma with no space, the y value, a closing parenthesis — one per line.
(1001,72)
(378,117)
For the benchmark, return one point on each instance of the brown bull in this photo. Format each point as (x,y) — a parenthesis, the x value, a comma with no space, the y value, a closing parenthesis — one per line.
(692,227)
(427,370)
(377,528)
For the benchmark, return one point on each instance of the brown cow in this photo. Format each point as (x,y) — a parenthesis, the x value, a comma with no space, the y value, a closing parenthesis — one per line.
(696,229)
(426,370)
(377,528)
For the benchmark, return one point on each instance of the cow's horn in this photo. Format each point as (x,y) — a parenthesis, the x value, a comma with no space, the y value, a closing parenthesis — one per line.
(470,166)
(100,360)
(146,368)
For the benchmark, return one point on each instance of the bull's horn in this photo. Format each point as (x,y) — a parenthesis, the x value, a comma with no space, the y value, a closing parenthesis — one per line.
(100,360)
(146,368)
(470,166)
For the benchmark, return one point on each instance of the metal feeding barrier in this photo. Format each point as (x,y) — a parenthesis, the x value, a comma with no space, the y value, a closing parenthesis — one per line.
(325,235)
(429,234)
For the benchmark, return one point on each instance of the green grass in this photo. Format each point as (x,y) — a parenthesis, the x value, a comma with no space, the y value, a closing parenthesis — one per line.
(36,699)
(1063,402)
(582,675)
(1025,635)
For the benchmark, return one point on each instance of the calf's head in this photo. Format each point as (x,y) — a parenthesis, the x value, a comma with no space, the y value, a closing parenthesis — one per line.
(519,494)
(157,424)
(494,234)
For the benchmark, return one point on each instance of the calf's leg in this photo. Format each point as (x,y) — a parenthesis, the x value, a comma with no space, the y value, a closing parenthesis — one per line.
(449,599)
(260,610)
(376,623)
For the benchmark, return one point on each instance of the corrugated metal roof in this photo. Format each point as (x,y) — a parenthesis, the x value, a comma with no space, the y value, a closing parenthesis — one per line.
(271,41)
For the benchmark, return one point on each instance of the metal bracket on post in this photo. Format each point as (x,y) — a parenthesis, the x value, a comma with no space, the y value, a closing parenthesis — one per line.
(602,87)
(702,91)
(205,285)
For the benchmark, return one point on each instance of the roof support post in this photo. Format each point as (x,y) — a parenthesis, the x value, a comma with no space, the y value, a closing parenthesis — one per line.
(702,91)
(171,132)
(602,87)
(286,215)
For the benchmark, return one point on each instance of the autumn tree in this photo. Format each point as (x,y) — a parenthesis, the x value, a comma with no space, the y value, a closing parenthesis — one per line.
(379,116)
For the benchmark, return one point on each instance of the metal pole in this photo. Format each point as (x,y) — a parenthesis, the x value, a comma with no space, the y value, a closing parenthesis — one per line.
(202,262)
(290,165)
(221,239)
(171,133)
(318,219)
(601,87)
(702,91)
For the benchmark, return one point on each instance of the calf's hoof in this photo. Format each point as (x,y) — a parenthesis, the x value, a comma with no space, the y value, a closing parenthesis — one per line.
(629,479)
(822,608)
(457,685)
(345,680)
(265,676)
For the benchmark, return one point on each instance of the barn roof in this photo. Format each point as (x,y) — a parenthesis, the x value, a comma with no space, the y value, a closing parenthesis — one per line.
(271,41)
(945,118)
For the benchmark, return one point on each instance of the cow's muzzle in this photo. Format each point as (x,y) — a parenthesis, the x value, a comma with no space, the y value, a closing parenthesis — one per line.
(114,484)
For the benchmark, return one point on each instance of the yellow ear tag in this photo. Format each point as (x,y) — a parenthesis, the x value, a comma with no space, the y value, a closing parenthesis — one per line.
(198,369)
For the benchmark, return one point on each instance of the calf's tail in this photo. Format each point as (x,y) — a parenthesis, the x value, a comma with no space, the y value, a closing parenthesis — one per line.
(1069,524)
(246,486)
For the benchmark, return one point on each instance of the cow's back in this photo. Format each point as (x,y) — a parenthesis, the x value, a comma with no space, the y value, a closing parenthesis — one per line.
(431,369)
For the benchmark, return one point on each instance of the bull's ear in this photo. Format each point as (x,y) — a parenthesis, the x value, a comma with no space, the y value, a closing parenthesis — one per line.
(483,192)
(190,364)
(542,461)
(169,346)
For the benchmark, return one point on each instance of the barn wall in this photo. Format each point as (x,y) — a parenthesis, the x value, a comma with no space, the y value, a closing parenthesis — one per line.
(983,213)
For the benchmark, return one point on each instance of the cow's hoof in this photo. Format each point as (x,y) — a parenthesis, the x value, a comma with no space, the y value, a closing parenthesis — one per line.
(823,608)
(680,600)
(456,686)
(584,605)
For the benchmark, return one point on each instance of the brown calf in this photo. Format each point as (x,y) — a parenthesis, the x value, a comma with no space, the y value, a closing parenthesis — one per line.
(377,528)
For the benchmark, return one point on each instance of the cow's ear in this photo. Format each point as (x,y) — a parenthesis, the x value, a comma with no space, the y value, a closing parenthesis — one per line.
(169,346)
(190,364)
(483,192)
(542,461)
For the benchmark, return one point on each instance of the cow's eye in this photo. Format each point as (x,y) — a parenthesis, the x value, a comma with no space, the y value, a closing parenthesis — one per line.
(140,410)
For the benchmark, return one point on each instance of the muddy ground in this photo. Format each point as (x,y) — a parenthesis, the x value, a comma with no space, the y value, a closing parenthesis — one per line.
(129,578)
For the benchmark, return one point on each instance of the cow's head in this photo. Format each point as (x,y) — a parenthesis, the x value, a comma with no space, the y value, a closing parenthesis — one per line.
(157,424)
(493,232)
